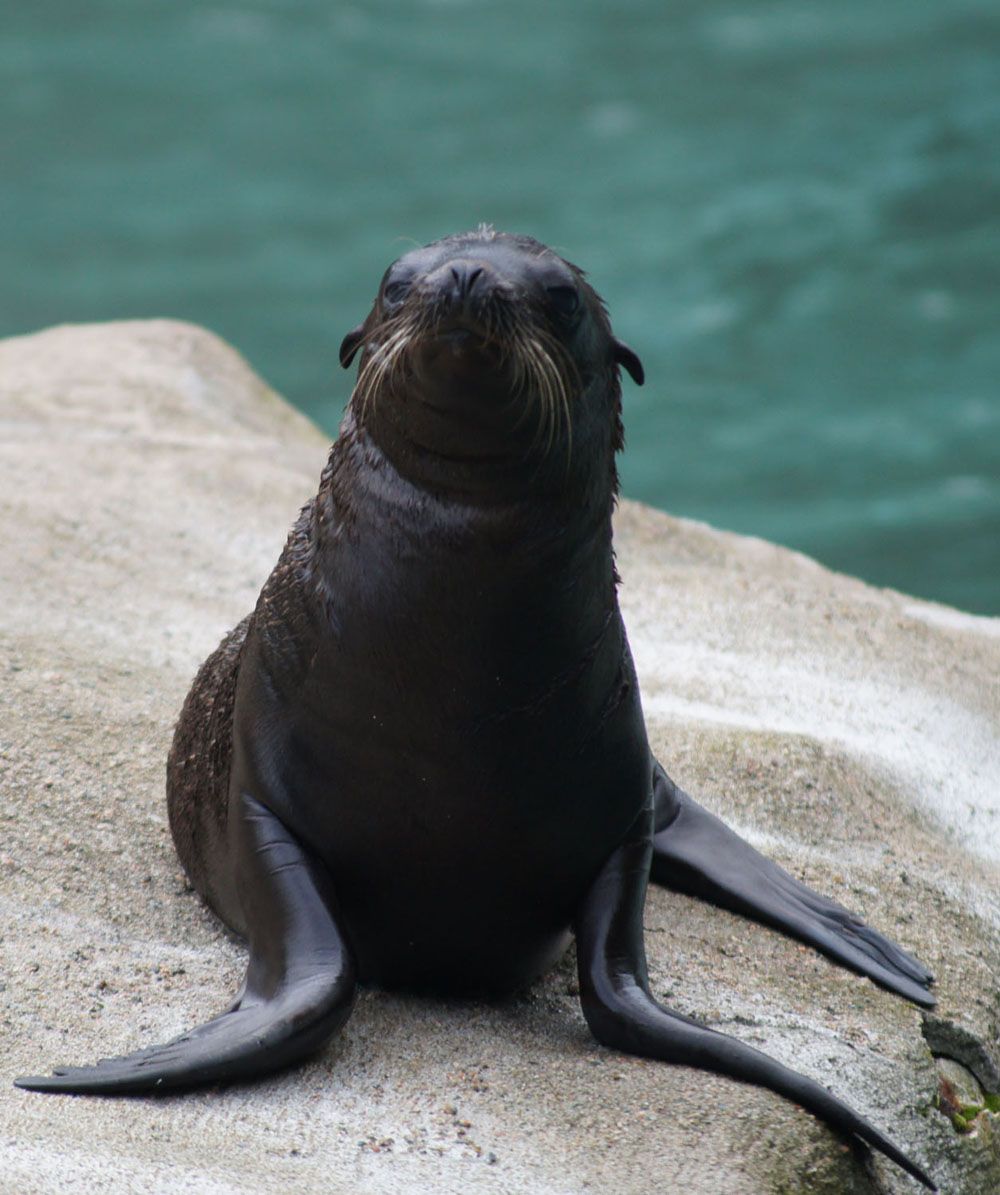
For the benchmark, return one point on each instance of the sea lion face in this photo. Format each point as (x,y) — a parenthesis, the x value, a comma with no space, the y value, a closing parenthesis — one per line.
(486,346)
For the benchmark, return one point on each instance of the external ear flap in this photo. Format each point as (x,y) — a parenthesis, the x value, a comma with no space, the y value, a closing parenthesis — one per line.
(624,356)
(350,345)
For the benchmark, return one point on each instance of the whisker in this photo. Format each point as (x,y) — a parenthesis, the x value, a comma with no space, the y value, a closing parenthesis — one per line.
(543,375)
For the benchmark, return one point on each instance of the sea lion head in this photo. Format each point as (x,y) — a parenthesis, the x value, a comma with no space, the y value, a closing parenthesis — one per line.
(486,354)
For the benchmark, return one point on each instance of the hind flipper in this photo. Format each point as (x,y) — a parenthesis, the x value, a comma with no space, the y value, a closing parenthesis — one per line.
(622,1014)
(696,853)
(299,987)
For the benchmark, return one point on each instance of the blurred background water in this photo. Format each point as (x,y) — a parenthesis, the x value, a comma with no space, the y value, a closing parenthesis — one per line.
(792,209)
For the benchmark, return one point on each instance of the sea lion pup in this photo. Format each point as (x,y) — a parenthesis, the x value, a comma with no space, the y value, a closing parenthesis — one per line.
(421,761)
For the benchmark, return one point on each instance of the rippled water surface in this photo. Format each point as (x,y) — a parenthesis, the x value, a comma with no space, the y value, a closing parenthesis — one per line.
(791,208)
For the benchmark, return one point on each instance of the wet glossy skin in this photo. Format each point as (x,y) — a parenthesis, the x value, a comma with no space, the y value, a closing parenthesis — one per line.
(422,760)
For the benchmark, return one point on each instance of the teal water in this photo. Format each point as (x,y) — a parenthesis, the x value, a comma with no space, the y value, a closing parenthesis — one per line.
(791,208)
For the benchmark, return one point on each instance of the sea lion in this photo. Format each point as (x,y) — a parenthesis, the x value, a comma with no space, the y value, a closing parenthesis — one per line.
(421,761)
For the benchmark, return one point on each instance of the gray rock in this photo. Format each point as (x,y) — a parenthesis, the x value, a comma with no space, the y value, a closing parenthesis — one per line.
(147,481)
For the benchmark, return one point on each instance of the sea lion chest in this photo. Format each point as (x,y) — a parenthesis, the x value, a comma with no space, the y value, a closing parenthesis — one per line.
(454,712)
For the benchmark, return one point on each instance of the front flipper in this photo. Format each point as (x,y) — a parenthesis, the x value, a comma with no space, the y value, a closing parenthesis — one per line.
(299,987)
(621,1013)
(695,853)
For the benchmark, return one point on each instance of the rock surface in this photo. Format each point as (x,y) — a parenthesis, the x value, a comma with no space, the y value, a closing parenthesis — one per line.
(147,481)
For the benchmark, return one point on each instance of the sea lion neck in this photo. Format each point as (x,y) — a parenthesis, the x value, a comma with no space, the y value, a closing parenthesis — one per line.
(551,523)
(483,457)
(530,579)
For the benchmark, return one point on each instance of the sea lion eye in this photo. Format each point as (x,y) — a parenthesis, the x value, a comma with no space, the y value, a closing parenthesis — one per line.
(564,300)
(396,290)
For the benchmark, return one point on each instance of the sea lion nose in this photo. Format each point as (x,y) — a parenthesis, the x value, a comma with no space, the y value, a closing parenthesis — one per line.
(460,281)
(465,275)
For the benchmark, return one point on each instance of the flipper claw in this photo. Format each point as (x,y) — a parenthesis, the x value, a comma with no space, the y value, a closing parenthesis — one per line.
(238,1044)
(696,853)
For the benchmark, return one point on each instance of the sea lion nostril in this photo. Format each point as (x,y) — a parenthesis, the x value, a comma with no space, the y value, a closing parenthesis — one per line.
(466,276)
